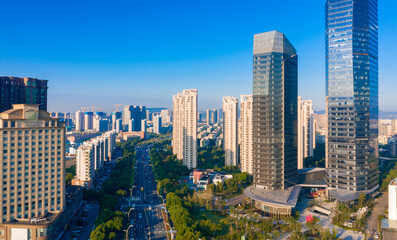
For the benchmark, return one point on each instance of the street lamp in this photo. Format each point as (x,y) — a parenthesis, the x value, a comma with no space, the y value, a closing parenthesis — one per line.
(132,189)
(163,201)
(126,232)
(128,215)
(172,231)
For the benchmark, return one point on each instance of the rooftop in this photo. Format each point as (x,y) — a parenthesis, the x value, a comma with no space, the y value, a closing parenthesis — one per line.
(310,170)
(346,195)
(286,198)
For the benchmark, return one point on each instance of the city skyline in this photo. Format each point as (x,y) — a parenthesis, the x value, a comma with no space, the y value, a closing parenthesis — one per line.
(193,59)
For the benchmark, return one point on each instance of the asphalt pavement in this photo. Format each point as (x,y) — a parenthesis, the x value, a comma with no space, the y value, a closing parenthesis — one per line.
(146,216)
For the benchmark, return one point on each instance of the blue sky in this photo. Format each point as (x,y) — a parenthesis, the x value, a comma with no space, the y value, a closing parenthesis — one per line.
(143,52)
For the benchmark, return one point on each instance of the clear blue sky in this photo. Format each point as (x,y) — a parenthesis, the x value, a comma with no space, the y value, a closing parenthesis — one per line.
(142,52)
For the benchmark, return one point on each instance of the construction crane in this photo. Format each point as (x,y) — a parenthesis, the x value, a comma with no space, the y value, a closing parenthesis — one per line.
(117,106)
(84,108)
(93,108)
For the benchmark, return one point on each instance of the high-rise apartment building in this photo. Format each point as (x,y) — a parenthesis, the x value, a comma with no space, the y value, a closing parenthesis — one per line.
(306,130)
(351,97)
(115,116)
(91,156)
(14,90)
(166,115)
(275,94)
(32,165)
(80,121)
(208,117)
(214,116)
(157,124)
(143,125)
(246,137)
(88,121)
(184,135)
(230,109)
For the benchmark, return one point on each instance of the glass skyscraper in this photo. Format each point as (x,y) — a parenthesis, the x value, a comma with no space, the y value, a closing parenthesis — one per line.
(351,97)
(275,95)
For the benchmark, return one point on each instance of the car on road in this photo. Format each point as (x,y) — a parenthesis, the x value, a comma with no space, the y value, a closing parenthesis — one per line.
(140,215)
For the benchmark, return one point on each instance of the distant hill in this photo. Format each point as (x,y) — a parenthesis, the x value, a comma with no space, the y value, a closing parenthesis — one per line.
(387,115)
(152,110)
(382,114)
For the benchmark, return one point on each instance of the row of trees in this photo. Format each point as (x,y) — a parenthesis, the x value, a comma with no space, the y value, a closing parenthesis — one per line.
(211,157)
(388,173)
(343,213)
(110,222)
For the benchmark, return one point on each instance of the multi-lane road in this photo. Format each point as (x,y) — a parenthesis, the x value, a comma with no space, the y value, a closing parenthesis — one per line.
(146,216)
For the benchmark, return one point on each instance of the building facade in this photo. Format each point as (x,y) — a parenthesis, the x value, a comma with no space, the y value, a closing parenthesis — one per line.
(306,130)
(14,90)
(275,94)
(33,170)
(246,138)
(88,121)
(184,134)
(351,97)
(230,109)
(80,121)
(208,117)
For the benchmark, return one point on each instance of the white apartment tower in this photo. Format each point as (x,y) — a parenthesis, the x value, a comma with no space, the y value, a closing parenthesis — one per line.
(230,109)
(32,164)
(92,156)
(246,137)
(166,116)
(80,121)
(184,135)
(393,200)
(157,124)
(306,130)
(88,121)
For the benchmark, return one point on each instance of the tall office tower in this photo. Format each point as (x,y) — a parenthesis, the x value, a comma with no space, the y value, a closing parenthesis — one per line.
(208,117)
(351,97)
(184,135)
(138,113)
(220,115)
(230,109)
(131,125)
(14,90)
(166,115)
(126,116)
(306,130)
(157,124)
(80,116)
(115,116)
(88,121)
(214,116)
(133,112)
(275,94)
(246,152)
(143,125)
(32,166)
